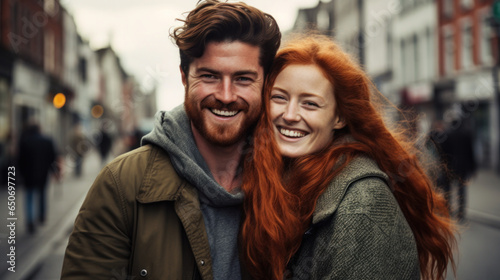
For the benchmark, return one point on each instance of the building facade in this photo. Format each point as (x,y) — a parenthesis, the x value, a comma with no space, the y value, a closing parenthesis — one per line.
(433,58)
(43,56)
(465,54)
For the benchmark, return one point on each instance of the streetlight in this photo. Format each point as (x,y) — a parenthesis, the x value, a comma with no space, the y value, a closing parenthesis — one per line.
(97,111)
(59,100)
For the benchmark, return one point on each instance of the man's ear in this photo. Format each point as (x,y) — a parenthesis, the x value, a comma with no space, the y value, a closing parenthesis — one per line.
(338,123)
(183,76)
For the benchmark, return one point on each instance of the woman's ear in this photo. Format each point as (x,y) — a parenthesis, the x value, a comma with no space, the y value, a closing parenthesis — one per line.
(338,123)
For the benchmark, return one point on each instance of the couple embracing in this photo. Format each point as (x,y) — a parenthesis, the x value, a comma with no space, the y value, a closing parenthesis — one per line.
(277,166)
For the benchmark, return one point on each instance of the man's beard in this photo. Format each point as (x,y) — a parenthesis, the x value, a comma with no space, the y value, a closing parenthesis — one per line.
(221,134)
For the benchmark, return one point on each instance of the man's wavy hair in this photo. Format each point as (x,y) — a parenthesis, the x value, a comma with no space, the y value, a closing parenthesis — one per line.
(278,208)
(215,21)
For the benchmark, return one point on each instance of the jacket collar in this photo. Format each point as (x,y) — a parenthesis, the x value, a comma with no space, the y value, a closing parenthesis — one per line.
(161,182)
(359,168)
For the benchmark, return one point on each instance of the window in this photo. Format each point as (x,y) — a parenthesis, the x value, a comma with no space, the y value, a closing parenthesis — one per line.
(408,59)
(14,18)
(403,61)
(50,53)
(467,48)
(301,21)
(323,20)
(82,68)
(449,51)
(50,7)
(485,40)
(448,9)
(416,58)
(466,4)
(430,53)
(407,5)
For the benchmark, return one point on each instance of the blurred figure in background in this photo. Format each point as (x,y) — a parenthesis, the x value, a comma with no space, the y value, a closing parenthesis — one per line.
(458,153)
(104,145)
(79,148)
(37,158)
(439,171)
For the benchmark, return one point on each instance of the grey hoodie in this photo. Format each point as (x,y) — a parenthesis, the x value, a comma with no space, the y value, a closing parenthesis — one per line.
(221,210)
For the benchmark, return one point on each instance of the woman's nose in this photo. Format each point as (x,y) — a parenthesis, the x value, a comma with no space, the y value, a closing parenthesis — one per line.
(291,113)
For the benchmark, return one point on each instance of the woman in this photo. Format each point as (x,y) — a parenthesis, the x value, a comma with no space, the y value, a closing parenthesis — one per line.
(333,186)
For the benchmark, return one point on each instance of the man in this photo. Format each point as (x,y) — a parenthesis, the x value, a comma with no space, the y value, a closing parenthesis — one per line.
(37,159)
(171,209)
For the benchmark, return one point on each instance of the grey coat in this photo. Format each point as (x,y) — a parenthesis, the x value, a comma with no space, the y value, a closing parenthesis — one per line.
(358,231)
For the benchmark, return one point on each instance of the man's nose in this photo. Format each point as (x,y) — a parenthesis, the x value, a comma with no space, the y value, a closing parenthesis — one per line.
(226,92)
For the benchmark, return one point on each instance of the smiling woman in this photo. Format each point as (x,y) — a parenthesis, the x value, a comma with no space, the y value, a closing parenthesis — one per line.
(335,194)
(302,109)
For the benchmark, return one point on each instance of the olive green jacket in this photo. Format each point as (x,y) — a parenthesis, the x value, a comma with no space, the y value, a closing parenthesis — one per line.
(140,220)
(358,231)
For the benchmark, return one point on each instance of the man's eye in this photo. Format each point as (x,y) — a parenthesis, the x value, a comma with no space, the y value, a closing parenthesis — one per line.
(208,76)
(244,79)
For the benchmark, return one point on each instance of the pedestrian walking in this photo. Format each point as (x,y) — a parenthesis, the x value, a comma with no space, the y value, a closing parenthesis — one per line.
(37,159)
(437,159)
(79,148)
(105,145)
(458,153)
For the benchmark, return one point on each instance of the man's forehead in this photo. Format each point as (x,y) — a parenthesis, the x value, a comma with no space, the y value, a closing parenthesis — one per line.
(229,57)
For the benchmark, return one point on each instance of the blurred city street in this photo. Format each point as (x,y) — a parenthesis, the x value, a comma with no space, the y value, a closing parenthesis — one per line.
(40,256)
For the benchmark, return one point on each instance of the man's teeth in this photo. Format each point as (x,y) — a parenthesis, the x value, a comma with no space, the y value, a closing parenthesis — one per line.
(224,113)
(291,133)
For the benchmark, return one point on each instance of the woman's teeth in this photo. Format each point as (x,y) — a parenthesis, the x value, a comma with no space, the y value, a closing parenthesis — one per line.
(224,113)
(292,133)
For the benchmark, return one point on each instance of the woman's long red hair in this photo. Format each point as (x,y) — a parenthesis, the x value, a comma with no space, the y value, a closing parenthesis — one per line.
(278,210)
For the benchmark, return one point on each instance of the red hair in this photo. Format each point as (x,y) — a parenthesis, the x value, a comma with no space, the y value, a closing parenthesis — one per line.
(279,201)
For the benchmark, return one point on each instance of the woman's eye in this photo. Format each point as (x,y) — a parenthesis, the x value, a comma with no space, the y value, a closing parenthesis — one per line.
(278,97)
(311,104)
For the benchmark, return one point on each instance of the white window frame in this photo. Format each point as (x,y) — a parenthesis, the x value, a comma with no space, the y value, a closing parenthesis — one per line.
(467,44)
(449,49)
(486,35)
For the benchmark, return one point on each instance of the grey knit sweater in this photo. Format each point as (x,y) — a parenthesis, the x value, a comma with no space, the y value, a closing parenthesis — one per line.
(358,231)
(220,209)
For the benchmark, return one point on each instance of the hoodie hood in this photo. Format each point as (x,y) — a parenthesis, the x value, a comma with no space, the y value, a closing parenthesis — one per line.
(172,132)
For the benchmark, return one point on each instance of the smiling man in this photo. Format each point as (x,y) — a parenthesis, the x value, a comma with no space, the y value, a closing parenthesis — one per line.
(223,91)
(171,209)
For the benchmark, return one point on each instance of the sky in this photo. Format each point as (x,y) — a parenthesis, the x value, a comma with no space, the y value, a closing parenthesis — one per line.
(138,31)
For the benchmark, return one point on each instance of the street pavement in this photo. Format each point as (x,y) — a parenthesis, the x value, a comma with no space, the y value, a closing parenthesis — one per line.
(35,251)
(478,255)
(40,256)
